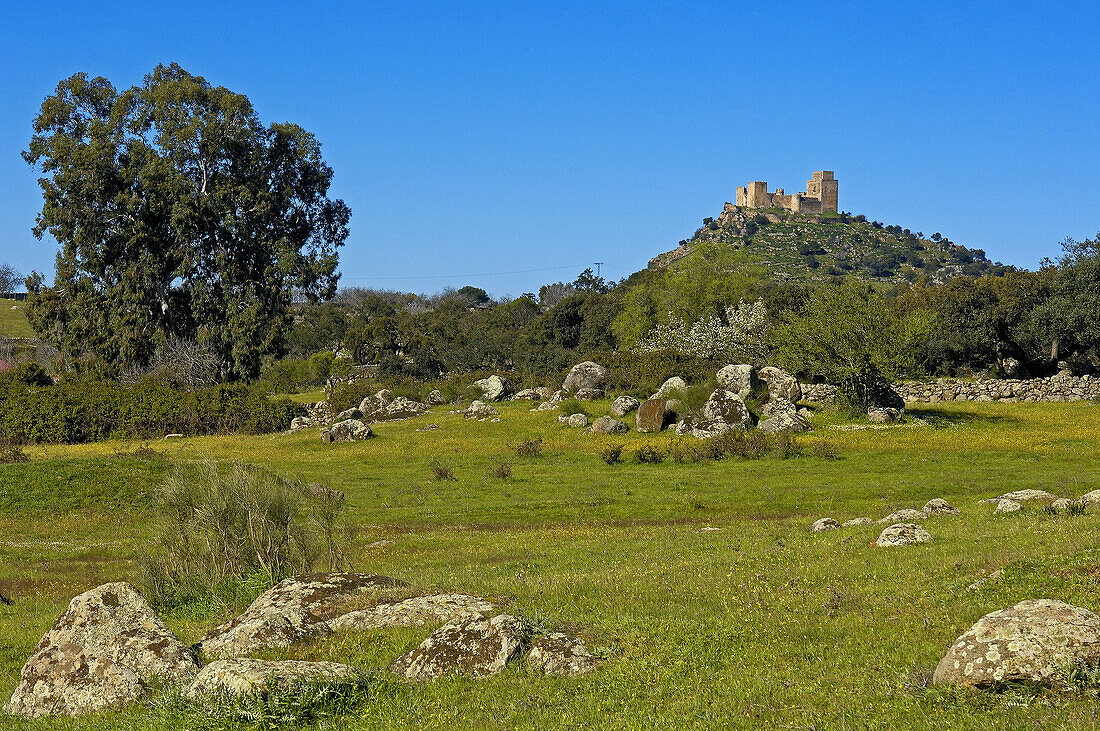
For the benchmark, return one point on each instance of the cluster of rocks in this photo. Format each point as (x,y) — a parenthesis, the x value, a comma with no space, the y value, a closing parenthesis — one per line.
(1017,500)
(353,424)
(110,648)
(1059,388)
(899,530)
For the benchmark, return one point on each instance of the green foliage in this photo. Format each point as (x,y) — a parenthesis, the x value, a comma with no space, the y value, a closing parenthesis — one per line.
(649,454)
(611,454)
(221,530)
(846,334)
(693,397)
(500,469)
(200,224)
(26,374)
(79,410)
(441,472)
(528,447)
(572,406)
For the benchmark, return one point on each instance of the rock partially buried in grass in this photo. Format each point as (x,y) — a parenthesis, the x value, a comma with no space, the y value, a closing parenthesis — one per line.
(902,534)
(577,421)
(474,646)
(348,430)
(294,610)
(100,654)
(939,506)
(624,405)
(857,522)
(1034,641)
(563,654)
(823,524)
(246,676)
(1024,496)
(480,410)
(903,515)
(1008,506)
(415,612)
(608,425)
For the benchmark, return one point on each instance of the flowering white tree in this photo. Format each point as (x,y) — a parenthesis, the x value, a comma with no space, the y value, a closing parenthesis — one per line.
(742,337)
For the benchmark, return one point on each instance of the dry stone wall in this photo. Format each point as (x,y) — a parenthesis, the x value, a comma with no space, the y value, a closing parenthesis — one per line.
(1061,387)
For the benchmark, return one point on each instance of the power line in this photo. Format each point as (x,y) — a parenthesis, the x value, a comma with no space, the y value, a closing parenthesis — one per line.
(465,276)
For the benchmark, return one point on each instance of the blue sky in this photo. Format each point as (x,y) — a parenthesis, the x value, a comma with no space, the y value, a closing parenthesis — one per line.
(478,142)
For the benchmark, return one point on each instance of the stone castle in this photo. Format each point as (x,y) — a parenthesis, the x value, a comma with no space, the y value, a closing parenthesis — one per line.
(820,195)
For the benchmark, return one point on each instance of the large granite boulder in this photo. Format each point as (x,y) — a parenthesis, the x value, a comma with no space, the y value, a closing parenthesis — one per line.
(700,429)
(727,407)
(1034,641)
(902,534)
(294,610)
(247,676)
(608,425)
(348,430)
(415,612)
(625,405)
(103,652)
(473,645)
(585,375)
(653,416)
(559,653)
(383,406)
(739,378)
(527,394)
(784,422)
(493,388)
(780,383)
(480,410)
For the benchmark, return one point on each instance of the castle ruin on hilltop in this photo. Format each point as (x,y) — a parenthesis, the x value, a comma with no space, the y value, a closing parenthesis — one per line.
(820,195)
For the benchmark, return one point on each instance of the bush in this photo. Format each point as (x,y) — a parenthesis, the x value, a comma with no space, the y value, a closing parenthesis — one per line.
(441,472)
(12,453)
(223,531)
(648,454)
(528,447)
(824,449)
(572,406)
(501,469)
(693,397)
(611,454)
(683,450)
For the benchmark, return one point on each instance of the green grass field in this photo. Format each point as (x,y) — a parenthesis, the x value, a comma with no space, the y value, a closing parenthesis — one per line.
(13,322)
(758,624)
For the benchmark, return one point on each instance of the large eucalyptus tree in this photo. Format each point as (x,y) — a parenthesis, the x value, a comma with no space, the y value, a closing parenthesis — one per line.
(177,214)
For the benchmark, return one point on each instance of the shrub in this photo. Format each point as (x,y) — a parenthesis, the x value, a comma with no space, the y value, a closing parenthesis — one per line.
(611,454)
(441,472)
(501,469)
(528,447)
(648,454)
(223,530)
(572,406)
(12,453)
(28,374)
(693,397)
(787,445)
(683,450)
(824,449)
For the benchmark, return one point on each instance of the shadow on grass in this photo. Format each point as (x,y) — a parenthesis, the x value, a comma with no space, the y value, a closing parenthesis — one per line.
(943,419)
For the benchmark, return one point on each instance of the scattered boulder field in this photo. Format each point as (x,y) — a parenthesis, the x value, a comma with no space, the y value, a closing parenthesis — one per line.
(110,649)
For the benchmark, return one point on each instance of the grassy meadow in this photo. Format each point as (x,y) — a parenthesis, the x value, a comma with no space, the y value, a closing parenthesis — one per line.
(13,320)
(699,583)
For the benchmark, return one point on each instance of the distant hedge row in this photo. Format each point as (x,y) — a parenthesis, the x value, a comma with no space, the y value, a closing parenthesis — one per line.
(86,411)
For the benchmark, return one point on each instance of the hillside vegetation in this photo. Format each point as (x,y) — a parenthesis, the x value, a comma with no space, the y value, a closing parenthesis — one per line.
(798,247)
(13,320)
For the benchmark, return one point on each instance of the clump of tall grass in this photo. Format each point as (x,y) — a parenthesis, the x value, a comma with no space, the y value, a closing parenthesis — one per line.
(222,531)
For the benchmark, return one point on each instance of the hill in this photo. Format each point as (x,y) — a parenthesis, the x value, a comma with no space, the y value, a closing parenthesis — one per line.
(800,247)
(13,320)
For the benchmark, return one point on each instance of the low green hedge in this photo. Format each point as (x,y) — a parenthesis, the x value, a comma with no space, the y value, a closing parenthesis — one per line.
(84,411)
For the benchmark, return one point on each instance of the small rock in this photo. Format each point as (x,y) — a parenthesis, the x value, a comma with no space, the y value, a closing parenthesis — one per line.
(624,405)
(577,421)
(608,425)
(1033,641)
(1008,506)
(823,524)
(245,676)
(435,398)
(474,646)
(905,514)
(300,422)
(857,522)
(563,654)
(428,427)
(527,394)
(902,534)
(349,430)
(939,506)
(986,579)
(480,410)
(884,415)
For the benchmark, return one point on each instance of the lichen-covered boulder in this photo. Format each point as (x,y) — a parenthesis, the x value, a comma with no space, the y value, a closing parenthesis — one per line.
(247,676)
(1033,641)
(780,383)
(300,422)
(653,415)
(563,654)
(739,378)
(624,405)
(474,645)
(294,610)
(493,388)
(527,394)
(1025,496)
(902,534)
(823,524)
(689,426)
(672,384)
(1090,498)
(436,398)
(588,394)
(415,612)
(348,430)
(857,522)
(777,405)
(608,425)
(903,515)
(101,653)
(939,506)
(884,415)
(577,421)
(585,375)
(784,423)
(728,407)
(1008,506)
(480,410)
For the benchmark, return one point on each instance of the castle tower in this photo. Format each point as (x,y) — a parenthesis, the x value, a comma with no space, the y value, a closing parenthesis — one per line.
(823,186)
